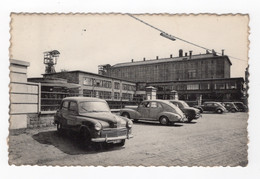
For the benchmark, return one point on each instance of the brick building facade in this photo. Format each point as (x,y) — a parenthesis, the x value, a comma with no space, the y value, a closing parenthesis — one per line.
(202,66)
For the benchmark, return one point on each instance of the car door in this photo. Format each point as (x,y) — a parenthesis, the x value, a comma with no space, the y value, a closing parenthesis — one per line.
(72,114)
(208,107)
(155,109)
(143,109)
(64,113)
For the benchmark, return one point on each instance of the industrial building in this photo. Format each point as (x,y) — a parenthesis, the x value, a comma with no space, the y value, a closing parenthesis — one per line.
(193,77)
(95,85)
(183,67)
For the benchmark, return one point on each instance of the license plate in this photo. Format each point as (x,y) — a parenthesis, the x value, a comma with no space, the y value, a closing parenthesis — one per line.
(116,141)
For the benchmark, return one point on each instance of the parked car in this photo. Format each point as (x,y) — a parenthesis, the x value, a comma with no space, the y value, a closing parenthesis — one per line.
(214,107)
(241,107)
(194,104)
(190,112)
(154,110)
(231,107)
(93,120)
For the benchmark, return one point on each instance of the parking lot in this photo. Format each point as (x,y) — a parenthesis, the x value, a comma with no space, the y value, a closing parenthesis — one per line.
(213,140)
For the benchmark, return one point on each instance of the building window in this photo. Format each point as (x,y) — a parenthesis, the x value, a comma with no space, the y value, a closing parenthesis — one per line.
(220,86)
(107,84)
(97,82)
(181,87)
(116,95)
(192,74)
(126,96)
(205,86)
(193,87)
(117,85)
(87,93)
(87,81)
(231,85)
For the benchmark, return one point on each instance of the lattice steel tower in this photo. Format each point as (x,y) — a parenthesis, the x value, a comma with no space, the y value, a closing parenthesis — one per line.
(50,59)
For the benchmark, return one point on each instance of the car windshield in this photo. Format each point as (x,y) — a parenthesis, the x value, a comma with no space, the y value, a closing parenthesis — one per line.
(184,104)
(219,104)
(93,106)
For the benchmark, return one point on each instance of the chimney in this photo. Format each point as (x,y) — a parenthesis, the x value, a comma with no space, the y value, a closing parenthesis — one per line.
(190,54)
(186,54)
(222,52)
(180,53)
(132,60)
(207,52)
(213,52)
(171,56)
(144,59)
(157,57)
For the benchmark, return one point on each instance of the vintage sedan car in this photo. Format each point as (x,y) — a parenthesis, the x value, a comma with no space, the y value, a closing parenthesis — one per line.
(190,112)
(93,120)
(213,106)
(231,107)
(241,107)
(154,110)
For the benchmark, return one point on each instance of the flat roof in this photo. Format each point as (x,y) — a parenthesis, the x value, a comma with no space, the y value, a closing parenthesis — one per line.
(89,73)
(175,59)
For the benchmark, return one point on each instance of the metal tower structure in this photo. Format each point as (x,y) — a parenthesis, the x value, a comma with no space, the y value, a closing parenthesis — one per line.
(50,59)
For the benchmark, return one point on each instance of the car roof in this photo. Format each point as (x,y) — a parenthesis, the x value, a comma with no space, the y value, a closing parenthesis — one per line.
(174,100)
(157,100)
(83,99)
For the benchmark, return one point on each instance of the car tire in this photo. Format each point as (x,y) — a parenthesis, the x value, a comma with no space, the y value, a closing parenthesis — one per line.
(135,120)
(85,137)
(201,110)
(164,120)
(59,128)
(189,120)
(233,110)
(219,111)
(125,114)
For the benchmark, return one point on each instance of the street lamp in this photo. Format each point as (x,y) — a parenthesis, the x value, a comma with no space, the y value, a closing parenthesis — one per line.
(168,36)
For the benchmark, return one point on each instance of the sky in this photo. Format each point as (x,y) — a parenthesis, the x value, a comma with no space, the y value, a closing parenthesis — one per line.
(88,40)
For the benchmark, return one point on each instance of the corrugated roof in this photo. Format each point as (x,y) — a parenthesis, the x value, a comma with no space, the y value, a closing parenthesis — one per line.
(164,60)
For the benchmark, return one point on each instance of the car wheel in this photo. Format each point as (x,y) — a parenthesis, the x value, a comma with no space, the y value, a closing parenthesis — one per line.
(164,120)
(125,114)
(219,111)
(135,120)
(85,137)
(59,127)
(233,110)
(201,110)
(189,120)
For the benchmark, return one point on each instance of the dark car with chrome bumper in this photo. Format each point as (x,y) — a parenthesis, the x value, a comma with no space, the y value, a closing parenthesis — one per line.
(92,119)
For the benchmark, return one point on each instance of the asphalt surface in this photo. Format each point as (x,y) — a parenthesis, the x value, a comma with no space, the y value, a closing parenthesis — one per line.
(213,140)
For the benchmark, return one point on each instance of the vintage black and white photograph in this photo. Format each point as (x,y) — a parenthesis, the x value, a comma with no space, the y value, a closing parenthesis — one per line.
(111,89)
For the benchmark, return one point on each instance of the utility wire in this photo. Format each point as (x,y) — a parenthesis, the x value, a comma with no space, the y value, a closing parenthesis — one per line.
(177,37)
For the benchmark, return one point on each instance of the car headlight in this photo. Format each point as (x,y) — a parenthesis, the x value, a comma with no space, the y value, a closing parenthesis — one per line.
(129,124)
(98,126)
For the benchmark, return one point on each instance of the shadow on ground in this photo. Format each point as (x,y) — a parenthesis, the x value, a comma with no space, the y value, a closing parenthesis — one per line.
(153,123)
(70,143)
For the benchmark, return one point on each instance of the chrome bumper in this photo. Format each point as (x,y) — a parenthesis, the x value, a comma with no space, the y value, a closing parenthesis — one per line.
(110,139)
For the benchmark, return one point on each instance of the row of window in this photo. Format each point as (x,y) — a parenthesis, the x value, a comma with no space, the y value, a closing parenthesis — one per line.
(107,84)
(97,82)
(128,87)
(105,94)
(203,86)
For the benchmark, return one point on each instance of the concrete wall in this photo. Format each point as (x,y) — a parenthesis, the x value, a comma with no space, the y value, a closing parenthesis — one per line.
(24,96)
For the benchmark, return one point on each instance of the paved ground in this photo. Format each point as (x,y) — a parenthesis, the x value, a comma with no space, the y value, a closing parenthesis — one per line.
(213,140)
